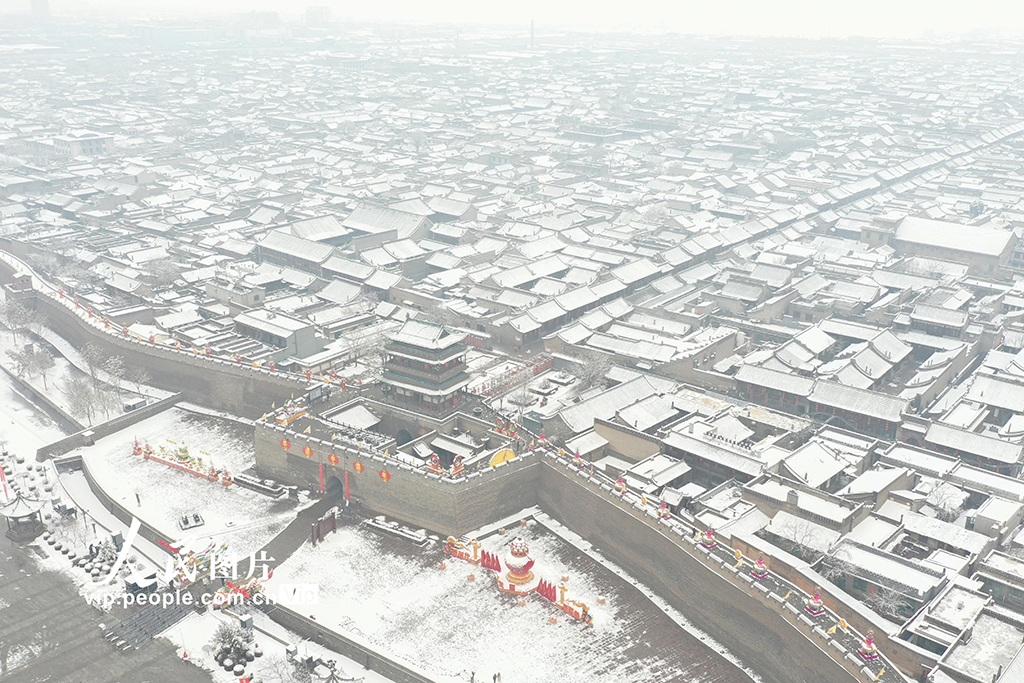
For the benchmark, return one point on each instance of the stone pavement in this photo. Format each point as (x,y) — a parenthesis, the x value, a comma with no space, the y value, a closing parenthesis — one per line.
(49,633)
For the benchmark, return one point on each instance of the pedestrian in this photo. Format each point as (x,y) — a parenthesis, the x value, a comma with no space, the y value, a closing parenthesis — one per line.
(472,677)
(138,500)
(499,677)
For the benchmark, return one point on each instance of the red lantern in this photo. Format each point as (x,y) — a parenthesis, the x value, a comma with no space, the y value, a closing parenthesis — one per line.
(307,451)
(385,475)
(358,467)
(333,459)
(286,444)
(308,375)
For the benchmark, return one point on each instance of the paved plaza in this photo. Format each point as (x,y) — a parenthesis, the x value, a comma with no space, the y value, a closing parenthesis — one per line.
(49,633)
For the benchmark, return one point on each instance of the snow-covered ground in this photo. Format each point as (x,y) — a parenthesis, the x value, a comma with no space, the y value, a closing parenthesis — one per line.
(23,428)
(396,596)
(246,520)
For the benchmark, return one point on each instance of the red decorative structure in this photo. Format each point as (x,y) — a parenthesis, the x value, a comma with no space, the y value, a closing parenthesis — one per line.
(547,590)
(708,539)
(518,576)
(519,563)
(322,527)
(620,486)
(663,511)
(760,570)
(814,603)
(457,548)
(180,459)
(435,464)
(868,652)
(457,466)
(247,589)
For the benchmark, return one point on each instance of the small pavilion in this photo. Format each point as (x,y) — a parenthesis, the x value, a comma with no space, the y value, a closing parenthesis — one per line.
(24,521)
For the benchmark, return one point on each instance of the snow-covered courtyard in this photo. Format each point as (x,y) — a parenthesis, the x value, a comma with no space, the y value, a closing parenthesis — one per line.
(245,519)
(396,596)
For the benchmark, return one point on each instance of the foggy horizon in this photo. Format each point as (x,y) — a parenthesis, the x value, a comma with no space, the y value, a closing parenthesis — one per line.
(915,19)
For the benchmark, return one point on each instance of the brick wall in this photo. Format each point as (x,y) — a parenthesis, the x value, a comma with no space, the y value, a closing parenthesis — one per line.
(756,633)
(420,499)
(78,439)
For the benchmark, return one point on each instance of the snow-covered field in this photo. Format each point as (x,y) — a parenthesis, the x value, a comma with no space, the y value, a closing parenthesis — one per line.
(396,596)
(245,519)
(23,428)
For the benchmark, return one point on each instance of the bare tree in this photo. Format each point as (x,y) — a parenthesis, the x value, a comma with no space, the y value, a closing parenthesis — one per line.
(656,213)
(800,537)
(30,360)
(43,361)
(21,361)
(836,567)
(115,367)
(80,395)
(162,272)
(93,357)
(15,317)
(138,375)
(947,500)
(35,321)
(888,602)
(277,669)
(106,400)
(591,368)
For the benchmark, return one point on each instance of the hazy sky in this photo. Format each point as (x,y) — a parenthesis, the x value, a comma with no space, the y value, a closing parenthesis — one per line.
(881,18)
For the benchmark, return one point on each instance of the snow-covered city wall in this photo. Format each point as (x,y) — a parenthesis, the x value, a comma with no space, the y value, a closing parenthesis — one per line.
(215,383)
(387,486)
(748,627)
(82,437)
